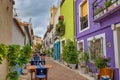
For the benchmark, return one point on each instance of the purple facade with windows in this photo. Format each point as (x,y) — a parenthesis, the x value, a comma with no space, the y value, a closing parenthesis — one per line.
(102,24)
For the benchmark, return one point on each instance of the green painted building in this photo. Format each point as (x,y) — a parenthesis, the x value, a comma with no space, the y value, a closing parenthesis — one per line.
(67,10)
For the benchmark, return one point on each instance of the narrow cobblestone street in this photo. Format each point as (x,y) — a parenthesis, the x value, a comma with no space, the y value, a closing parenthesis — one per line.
(59,72)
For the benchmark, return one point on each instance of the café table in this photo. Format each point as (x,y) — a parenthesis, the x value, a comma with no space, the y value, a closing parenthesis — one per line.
(32,68)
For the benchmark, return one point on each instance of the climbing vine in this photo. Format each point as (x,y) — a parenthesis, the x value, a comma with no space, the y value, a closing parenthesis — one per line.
(16,56)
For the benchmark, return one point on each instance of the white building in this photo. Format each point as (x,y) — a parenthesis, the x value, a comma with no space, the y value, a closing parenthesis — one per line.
(18,35)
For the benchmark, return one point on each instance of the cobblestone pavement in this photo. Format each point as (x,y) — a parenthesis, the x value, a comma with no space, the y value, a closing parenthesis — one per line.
(59,72)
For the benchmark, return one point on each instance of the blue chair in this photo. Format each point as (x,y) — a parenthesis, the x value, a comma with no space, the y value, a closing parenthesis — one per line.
(42,62)
(36,57)
(37,62)
(34,62)
(41,73)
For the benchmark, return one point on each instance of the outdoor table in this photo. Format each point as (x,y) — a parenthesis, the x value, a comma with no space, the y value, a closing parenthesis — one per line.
(32,69)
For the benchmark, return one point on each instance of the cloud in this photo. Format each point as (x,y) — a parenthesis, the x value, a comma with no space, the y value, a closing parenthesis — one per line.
(38,10)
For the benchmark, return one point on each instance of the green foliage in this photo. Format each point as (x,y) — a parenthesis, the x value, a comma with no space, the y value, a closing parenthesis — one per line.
(24,55)
(17,56)
(39,46)
(13,60)
(98,10)
(12,75)
(27,50)
(60,28)
(93,55)
(85,57)
(47,52)
(70,55)
(12,56)
(101,61)
(107,3)
(3,52)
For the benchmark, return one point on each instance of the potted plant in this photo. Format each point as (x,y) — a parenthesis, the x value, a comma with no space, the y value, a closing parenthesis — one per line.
(73,59)
(70,55)
(108,3)
(101,62)
(99,10)
(60,26)
(84,59)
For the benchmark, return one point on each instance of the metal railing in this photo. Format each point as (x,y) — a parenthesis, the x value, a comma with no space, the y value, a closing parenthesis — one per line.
(102,5)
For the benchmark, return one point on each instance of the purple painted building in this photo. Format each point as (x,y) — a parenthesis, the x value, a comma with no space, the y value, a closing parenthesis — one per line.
(98,27)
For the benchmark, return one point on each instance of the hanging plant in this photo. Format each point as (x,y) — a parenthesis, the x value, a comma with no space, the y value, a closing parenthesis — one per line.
(3,52)
(61,18)
(60,26)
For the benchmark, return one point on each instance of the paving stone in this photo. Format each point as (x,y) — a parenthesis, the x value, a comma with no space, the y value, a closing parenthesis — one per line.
(59,72)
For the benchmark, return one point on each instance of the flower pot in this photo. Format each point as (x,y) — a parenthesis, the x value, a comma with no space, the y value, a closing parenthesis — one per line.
(84,70)
(72,66)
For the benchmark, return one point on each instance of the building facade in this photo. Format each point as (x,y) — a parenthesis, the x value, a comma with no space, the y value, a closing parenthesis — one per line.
(6,8)
(67,11)
(36,40)
(98,25)
(18,31)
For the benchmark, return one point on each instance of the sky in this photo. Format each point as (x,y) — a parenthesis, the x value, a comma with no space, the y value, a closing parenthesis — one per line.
(38,11)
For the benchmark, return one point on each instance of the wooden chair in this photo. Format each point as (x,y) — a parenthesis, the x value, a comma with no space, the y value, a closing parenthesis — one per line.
(106,72)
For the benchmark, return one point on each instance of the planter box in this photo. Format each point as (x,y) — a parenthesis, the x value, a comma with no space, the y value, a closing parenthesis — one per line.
(101,13)
(96,16)
(112,6)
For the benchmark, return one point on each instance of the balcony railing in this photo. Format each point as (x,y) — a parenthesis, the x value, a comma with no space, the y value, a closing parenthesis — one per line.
(100,7)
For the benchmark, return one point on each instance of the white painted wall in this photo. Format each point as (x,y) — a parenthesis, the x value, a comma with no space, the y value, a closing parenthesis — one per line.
(116,33)
(56,18)
(17,36)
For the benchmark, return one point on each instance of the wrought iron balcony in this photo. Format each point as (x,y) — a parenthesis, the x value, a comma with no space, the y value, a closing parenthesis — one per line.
(101,7)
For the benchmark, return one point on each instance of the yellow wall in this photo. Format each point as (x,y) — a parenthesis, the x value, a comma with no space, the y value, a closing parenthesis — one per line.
(53,11)
(67,10)
(5,31)
(84,8)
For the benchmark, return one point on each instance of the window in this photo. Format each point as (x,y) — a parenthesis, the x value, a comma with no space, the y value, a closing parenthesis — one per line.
(83,15)
(96,46)
(80,46)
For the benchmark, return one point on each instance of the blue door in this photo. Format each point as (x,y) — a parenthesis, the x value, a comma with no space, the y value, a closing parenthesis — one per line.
(57,51)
